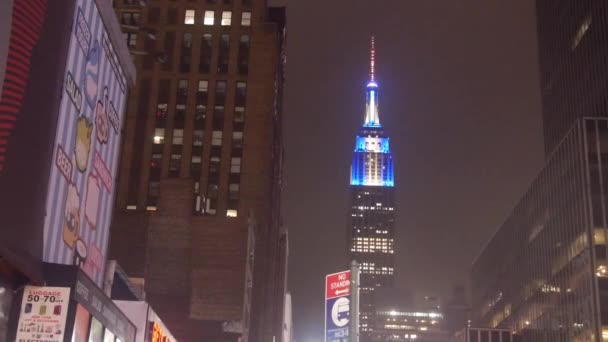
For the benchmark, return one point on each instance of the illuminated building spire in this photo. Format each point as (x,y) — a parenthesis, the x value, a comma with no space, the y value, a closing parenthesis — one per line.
(372,118)
(372,60)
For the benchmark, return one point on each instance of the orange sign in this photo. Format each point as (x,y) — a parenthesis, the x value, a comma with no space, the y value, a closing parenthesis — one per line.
(157,334)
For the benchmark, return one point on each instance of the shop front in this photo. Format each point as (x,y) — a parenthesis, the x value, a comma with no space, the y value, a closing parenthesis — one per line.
(150,328)
(70,308)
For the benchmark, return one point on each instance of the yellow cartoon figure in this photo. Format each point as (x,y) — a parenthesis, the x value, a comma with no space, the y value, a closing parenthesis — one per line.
(71,224)
(82,149)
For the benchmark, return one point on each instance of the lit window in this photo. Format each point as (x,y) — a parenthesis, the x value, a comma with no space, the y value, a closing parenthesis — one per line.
(209,19)
(178,137)
(203,86)
(235,165)
(231,213)
(189,17)
(131,207)
(226,18)
(246,19)
(159,135)
(216,138)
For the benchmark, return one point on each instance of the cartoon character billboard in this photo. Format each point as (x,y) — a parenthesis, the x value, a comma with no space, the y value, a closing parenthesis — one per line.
(86,147)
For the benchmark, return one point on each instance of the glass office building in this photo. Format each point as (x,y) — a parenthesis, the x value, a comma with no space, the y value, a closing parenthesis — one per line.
(544,273)
(572,54)
(485,335)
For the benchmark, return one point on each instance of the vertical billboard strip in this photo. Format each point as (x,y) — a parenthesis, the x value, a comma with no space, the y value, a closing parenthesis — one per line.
(27,20)
(337,307)
(86,148)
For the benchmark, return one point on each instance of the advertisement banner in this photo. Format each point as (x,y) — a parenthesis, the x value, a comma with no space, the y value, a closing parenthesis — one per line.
(86,147)
(43,314)
(337,307)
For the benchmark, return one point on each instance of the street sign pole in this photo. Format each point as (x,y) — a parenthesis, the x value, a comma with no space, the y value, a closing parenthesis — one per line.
(354,301)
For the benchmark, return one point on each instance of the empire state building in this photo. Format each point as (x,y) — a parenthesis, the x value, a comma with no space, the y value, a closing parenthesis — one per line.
(371,228)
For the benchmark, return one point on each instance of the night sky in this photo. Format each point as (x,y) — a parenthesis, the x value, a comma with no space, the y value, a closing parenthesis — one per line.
(459,97)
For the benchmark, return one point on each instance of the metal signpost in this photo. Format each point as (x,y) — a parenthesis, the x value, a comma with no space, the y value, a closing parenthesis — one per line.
(354,301)
(337,307)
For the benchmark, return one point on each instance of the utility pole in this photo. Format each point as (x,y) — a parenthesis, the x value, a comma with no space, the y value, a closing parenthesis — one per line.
(354,301)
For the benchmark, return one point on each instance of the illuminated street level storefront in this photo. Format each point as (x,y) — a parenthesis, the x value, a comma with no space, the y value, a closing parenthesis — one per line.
(150,328)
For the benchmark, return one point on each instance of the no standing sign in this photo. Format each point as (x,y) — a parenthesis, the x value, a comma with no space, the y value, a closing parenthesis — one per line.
(337,307)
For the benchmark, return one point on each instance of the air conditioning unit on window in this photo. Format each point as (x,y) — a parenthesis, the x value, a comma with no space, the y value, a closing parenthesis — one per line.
(199,204)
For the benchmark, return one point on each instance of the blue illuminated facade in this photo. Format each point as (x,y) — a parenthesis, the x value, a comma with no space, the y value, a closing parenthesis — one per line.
(372,163)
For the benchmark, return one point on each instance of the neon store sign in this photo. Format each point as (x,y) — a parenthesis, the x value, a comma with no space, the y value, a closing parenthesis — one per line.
(157,334)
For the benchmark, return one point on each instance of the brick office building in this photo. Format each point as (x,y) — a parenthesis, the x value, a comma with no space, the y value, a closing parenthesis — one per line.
(198,218)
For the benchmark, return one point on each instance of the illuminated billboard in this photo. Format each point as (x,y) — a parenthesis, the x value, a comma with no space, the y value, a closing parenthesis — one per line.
(86,147)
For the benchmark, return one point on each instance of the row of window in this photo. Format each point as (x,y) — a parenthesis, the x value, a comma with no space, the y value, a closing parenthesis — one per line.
(211,2)
(209,18)
(202,97)
(210,195)
(206,52)
(224,18)
(372,249)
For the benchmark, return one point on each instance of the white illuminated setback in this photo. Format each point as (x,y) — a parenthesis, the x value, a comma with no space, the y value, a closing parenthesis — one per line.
(372,245)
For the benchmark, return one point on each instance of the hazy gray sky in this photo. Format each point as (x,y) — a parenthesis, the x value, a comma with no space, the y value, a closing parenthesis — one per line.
(459,97)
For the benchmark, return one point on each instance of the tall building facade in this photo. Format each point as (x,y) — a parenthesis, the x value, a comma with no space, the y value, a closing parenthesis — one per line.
(198,216)
(545,272)
(572,60)
(370,233)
